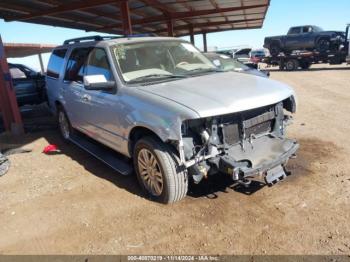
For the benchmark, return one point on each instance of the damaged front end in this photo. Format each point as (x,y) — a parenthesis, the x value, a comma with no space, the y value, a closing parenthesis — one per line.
(243,145)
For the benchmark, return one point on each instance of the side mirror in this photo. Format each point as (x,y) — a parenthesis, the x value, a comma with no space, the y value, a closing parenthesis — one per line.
(98,82)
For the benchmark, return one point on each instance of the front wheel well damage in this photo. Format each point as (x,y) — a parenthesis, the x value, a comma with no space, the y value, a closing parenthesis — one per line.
(289,104)
(140,132)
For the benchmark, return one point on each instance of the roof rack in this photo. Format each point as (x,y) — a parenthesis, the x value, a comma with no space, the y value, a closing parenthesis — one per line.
(89,38)
(101,38)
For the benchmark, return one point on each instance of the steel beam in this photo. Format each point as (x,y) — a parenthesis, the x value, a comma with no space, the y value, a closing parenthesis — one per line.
(189,14)
(205,46)
(10,111)
(221,30)
(170,27)
(41,63)
(191,35)
(63,8)
(201,25)
(125,12)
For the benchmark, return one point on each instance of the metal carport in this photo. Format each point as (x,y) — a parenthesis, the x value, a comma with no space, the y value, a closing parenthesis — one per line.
(160,17)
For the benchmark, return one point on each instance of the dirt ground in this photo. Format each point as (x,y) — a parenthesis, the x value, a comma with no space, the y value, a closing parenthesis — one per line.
(70,203)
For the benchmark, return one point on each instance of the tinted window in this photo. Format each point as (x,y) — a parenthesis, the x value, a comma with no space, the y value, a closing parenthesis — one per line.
(17,73)
(307,29)
(56,62)
(243,52)
(97,64)
(294,30)
(76,65)
(317,29)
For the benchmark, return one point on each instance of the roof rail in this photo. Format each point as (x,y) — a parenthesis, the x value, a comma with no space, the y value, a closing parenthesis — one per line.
(101,38)
(89,38)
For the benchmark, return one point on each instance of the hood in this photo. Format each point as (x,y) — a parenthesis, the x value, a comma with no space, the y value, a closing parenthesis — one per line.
(221,93)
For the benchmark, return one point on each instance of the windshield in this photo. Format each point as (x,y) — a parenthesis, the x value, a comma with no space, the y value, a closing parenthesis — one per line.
(317,29)
(257,53)
(149,61)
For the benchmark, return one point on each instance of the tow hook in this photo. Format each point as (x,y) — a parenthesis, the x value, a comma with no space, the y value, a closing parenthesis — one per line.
(275,174)
(199,172)
(294,156)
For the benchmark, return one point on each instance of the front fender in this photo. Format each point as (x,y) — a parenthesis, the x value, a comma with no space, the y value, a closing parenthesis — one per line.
(160,115)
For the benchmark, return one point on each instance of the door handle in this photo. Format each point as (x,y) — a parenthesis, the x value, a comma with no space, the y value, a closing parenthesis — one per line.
(86,98)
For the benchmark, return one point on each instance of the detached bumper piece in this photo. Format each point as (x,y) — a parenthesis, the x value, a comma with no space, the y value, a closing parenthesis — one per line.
(274,175)
(265,157)
(4,164)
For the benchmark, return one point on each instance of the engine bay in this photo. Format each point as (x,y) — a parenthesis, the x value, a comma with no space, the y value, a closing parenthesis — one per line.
(234,143)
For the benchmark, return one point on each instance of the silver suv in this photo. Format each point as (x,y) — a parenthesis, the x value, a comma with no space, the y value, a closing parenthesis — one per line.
(163,106)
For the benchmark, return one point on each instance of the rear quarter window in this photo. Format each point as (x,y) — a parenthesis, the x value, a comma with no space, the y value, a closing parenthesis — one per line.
(56,62)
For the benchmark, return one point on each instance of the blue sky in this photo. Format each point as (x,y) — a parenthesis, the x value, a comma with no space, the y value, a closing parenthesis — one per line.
(282,14)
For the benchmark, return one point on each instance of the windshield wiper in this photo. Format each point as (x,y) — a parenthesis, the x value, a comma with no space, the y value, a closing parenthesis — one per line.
(205,70)
(155,76)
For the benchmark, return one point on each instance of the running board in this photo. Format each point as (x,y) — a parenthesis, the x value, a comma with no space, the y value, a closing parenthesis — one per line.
(106,155)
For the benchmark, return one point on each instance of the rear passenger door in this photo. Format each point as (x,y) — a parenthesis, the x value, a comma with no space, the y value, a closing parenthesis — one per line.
(75,101)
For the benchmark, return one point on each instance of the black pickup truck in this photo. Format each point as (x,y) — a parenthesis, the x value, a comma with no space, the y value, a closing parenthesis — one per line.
(306,37)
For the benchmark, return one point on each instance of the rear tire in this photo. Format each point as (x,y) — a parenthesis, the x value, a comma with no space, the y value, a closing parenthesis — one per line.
(158,171)
(63,124)
(292,65)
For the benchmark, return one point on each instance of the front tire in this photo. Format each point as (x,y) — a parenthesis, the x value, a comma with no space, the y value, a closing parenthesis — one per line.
(158,171)
(323,45)
(275,49)
(305,65)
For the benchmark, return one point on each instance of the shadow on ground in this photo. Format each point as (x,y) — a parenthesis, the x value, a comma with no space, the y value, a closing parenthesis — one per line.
(39,124)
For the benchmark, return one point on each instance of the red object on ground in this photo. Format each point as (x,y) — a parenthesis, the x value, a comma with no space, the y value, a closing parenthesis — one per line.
(50,148)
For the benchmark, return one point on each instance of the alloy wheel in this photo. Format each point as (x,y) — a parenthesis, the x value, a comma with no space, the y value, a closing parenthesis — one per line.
(150,172)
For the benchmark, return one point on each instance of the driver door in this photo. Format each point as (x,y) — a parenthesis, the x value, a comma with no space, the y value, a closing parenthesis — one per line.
(105,109)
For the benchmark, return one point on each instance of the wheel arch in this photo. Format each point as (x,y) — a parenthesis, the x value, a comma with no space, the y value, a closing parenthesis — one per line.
(276,42)
(139,132)
(322,37)
(57,104)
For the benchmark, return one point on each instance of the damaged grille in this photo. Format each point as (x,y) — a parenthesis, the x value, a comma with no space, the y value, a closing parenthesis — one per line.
(259,124)
(250,123)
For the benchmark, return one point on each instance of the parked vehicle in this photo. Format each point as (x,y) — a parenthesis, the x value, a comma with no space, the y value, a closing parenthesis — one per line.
(226,63)
(28,83)
(306,37)
(242,55)
(256,56)
(304,59)
(162,104)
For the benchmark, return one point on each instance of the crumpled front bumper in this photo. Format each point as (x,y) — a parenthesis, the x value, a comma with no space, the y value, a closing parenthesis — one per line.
(260,156)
